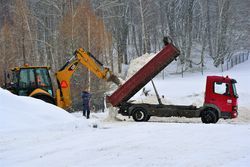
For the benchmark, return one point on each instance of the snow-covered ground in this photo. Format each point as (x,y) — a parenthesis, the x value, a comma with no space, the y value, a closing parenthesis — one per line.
(34,133)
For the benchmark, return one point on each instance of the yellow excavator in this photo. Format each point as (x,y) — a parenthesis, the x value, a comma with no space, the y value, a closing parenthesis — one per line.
(35,81)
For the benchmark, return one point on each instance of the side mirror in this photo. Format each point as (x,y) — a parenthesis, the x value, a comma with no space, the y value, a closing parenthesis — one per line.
(233,81)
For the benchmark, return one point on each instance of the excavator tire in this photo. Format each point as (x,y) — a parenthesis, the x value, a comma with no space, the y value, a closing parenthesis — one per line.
(45,98)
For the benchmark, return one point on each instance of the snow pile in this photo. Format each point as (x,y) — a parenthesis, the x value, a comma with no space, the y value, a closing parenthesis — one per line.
(26,113)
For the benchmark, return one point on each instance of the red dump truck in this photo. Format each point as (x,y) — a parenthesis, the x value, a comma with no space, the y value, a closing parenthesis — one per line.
(220,95)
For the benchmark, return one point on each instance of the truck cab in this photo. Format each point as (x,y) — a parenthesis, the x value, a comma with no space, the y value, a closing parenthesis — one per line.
(221,95)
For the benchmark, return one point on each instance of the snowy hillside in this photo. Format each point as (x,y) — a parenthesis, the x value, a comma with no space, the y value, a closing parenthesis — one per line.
(34,133)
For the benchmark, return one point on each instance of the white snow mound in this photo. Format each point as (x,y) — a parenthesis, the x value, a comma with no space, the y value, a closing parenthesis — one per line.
(22,113)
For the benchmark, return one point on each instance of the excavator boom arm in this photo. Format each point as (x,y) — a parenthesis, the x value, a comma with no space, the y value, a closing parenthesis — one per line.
(90,62)
(64,75)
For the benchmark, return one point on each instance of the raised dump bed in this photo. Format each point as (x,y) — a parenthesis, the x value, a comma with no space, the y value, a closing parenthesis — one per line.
(144,75)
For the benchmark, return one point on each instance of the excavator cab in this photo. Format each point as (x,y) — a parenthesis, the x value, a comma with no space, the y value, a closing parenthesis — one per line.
(28,79)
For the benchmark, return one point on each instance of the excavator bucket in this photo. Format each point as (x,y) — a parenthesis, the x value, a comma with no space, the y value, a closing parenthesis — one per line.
(113,78)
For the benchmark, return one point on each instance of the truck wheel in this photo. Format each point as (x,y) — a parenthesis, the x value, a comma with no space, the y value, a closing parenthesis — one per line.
(139,114)
(209,116)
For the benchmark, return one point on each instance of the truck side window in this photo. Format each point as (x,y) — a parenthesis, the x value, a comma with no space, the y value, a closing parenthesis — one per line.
(221,88)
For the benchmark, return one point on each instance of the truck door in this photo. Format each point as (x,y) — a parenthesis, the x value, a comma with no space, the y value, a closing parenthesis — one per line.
(222,96)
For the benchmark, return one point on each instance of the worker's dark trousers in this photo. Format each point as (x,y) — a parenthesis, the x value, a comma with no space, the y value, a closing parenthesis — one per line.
(86,111)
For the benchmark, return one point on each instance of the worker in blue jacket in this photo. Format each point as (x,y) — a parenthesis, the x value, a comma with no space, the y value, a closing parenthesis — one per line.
(86,103)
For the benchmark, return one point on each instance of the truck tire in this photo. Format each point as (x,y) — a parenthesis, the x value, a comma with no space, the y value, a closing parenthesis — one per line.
(209,116)
(139,114)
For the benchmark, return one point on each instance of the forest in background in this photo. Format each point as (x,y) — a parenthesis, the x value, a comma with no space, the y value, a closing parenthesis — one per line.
(47,32)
